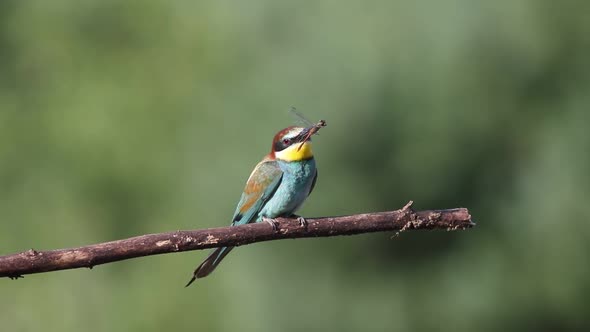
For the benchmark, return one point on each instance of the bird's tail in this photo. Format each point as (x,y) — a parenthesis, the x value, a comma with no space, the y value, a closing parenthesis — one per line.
(209,264)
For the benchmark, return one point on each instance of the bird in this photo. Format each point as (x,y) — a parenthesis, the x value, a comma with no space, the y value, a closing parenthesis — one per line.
(277,187)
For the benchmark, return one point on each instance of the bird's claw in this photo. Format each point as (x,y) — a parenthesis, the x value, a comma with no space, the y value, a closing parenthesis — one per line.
(272,222)
(302,221)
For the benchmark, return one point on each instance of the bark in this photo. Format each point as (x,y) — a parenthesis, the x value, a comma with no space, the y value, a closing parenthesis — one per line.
(33,261)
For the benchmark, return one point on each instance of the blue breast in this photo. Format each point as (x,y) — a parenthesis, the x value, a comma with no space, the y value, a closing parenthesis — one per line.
(293,190)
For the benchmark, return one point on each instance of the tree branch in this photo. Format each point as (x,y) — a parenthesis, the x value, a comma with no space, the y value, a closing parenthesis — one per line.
(32,261)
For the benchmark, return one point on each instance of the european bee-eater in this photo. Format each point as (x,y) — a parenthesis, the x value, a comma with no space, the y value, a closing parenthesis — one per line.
(277,186)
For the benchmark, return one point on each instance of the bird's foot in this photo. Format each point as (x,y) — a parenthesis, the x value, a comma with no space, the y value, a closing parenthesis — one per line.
(302,221)
(272,222)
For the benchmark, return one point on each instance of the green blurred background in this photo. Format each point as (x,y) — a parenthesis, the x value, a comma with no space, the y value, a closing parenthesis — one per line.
(120,119)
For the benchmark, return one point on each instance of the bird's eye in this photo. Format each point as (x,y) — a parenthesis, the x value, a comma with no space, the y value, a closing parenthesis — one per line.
(286,141)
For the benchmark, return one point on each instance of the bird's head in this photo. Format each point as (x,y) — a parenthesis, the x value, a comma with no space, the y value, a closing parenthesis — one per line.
(293,144)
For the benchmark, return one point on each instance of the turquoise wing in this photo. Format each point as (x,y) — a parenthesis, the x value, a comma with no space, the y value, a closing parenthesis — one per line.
(261,185)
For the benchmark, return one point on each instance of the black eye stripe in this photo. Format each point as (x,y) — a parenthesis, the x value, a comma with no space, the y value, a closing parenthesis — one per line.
(286,142)
(280,145)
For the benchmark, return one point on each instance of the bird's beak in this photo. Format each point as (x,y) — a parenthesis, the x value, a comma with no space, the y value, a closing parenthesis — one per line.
(304,135)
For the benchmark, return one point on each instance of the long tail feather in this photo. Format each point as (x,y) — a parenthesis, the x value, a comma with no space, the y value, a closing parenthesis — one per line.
(209,264)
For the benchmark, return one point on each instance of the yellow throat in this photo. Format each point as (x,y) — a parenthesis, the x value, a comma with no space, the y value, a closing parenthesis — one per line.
(293,153)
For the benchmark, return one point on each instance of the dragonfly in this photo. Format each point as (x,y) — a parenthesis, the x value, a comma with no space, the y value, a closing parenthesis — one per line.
(313,127)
